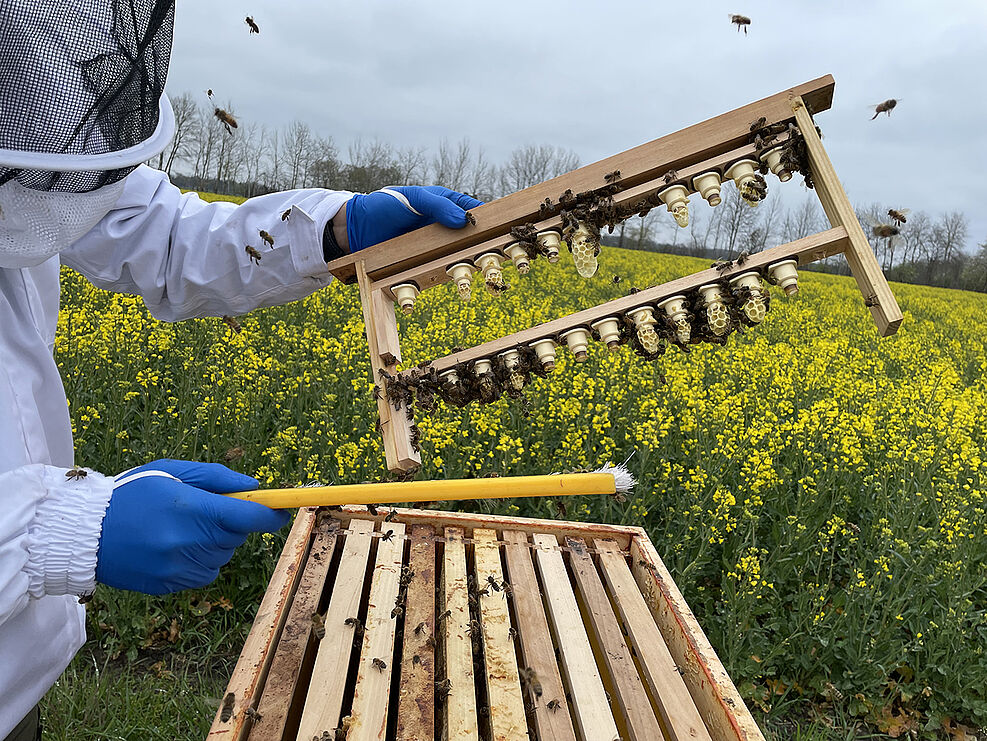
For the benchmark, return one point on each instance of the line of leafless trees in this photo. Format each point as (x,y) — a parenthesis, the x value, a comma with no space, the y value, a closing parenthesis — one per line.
(257,159)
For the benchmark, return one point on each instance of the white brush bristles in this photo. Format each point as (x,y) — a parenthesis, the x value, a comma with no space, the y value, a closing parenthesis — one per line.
(622,478)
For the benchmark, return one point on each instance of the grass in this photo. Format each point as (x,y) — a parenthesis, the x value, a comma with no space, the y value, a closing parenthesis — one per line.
(817,492)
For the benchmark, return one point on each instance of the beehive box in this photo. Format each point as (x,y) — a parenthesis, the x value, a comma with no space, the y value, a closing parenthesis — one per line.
(419,625)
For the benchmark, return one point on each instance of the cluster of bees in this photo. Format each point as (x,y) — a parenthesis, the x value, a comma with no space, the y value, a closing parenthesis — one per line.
(708,314)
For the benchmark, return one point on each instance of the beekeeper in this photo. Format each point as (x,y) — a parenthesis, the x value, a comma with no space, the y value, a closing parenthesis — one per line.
(82,104)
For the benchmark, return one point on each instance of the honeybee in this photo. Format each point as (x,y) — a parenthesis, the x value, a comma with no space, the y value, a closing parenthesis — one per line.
(227,712)
(372,509)
(443,688)
(493,583)
(530,679)
(443,616)
(286,214)
(885,231)
(226,119)
(76,474)
(390,515)
(740,21)
(387,536)
(886,107)
(233,454)
(318,625)
(898,215)
(616,279)
(253,714)
(86,597)
(471,218)
(670,176)
(420,628)
(209,93)
(268,239)
(232,323)
(397,612)
(379,665)
(416,660)
(554,705)
(742,257)
(612,177)
(721,265)
(255,256)
(354,622)
(759,123)
(254,28)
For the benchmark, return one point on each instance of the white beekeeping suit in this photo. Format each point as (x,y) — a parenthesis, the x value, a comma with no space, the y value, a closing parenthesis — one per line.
(81,105)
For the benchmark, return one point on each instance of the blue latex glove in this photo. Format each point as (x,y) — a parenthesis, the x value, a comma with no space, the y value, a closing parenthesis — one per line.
(389,212)
(165,531)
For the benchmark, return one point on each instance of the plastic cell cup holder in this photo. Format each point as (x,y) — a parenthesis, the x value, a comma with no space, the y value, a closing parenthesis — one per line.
(551,242)
(451,377)
(578,342)
(753,307)
(644,325)
(489,263)
(675,307)
(708,186)
(462,274)
(512,361)
(717,315)
(405,293)
(482,366)
(519,257)
(545,350)
(742,173)
(786,275)
(609,331)
(676,198)
(772,158)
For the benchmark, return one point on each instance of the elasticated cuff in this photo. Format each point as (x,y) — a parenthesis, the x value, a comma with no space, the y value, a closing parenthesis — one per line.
(306,229)
(64,538)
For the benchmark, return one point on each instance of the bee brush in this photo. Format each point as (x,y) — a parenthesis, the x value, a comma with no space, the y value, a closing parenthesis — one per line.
(607,480)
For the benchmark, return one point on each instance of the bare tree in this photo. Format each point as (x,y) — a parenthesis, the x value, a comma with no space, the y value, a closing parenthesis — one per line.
(738,220)
(451,164)
(802,221)
(296,140)
(532,164)
(182,143)
(412,165)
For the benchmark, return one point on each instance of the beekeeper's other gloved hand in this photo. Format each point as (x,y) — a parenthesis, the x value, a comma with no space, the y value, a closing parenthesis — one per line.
(389,212)
(165,530)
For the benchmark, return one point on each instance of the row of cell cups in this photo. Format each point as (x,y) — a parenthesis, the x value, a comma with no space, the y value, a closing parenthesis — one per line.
(490,265)
(783,273)
(743,174)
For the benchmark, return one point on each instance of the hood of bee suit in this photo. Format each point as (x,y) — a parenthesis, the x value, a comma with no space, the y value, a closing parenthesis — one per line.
(82,98)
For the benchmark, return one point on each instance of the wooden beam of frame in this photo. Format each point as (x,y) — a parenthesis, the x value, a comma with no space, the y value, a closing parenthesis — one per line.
(639,165)
(863,264)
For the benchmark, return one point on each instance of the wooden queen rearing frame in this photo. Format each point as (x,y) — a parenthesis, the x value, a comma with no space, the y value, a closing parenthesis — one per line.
(776,133)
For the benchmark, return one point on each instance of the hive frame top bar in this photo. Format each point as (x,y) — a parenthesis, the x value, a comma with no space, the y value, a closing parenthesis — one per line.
(637,166)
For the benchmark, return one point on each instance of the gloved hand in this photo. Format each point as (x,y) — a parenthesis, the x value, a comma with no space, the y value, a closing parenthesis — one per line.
(388,212)
(165,531)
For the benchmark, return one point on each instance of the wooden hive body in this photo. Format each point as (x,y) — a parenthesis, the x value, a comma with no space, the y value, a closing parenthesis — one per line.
(441,625)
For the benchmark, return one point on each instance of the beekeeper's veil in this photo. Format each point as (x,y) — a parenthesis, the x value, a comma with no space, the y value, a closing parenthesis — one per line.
(81,105)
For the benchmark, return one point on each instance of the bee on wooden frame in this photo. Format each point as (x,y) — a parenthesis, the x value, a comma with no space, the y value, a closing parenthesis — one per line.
(227,711)
(379,665)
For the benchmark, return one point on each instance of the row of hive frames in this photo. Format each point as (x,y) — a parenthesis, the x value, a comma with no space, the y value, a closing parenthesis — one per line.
(754,307)
(583,243)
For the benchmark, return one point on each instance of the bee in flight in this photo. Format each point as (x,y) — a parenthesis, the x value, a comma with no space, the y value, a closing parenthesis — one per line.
(898,216)
(254,28)
(225,118)
(255,256)
(886,107)
(740,21)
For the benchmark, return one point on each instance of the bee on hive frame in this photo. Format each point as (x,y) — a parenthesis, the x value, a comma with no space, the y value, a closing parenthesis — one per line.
(227,712)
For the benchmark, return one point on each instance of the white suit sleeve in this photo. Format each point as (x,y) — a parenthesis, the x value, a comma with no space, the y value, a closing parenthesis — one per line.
(49,534)
(188,258)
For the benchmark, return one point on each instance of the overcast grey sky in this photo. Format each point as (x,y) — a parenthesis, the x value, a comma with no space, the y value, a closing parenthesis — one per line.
(600,77)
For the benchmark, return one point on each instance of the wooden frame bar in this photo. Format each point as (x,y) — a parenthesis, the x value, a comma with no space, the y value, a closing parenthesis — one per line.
(863,264)
(250,671)
(459,704)
(638,165)
(416,706)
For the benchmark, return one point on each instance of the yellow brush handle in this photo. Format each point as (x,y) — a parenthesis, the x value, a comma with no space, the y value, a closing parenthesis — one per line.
(433,491)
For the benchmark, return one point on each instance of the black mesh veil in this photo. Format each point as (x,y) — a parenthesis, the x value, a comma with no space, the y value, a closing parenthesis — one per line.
(80,79)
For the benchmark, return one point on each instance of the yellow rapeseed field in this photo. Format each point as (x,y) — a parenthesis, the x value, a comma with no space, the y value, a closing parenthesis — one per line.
(816,491)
